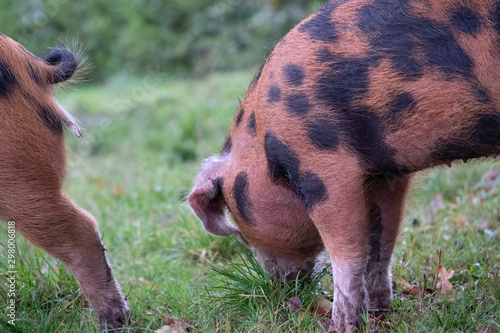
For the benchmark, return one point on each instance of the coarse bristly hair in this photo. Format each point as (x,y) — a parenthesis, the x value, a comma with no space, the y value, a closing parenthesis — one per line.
(33,167)
(84,65)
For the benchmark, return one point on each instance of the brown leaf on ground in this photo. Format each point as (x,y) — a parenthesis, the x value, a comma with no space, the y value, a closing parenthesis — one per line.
(403,282)
(444,276)
(147,283)
(118,190)
(323,306)
(410,289)
(413,290)
(484,330)
(379,321)
(175,325)
(101,183)
(459,222)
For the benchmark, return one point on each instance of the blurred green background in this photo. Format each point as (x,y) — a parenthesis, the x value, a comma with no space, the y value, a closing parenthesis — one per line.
(186,37)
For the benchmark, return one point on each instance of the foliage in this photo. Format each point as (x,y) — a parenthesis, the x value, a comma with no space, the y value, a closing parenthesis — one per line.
(198,36)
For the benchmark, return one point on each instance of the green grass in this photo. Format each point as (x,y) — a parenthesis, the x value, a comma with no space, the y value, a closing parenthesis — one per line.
(144,141)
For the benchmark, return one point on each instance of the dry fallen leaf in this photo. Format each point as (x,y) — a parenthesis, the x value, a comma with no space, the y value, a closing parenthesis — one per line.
(444,277)
(118,190)
(378,321)
(459,222)
(323,306)
(410,289)
(413,290)
(100,182)
(147,283)
(403,282)
(484,330)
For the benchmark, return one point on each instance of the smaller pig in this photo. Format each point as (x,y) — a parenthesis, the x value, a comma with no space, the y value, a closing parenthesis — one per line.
(352,102)
(32,171)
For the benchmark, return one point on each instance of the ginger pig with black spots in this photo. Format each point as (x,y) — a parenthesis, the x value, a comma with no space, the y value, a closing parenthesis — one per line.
(352,102)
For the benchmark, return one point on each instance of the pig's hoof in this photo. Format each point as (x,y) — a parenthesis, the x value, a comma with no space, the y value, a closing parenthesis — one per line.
(339,324)
(115,318)
(380,303)
(342,329)
(380,298)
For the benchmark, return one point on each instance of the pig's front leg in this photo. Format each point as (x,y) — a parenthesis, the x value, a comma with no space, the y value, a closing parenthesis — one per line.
(350,294)
(342,222)
(385,199)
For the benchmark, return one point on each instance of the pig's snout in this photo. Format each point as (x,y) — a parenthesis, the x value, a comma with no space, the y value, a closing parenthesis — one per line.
(286,269)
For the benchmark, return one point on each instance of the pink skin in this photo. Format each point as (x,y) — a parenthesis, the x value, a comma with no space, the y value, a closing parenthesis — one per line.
(340,132)
(286,241)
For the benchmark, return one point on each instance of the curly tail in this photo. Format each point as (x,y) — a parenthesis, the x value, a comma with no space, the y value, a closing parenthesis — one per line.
(63,65)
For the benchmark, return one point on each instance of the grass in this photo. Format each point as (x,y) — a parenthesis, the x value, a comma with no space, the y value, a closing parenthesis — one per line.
(144,141)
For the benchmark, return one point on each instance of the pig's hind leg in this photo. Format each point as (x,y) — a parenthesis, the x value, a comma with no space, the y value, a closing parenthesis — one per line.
(385,200)
(52,222)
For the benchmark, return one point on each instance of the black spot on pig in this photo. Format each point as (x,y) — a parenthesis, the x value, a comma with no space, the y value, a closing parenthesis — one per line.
(226,147)
(312,189)
(345,80)
(242,197)
(217,195)
(323,134)
(378,21)
(448,55)
(465,20)
(364,134)
(294,75)
(320,27)
(297,104)
(487,129)
(282,163)
(496,18)
(51,119)
(483,141)
(340,88)
(34,75)
(376,230)
(274,94)
(394,32)
(239,117)
(252,124)
(324,55)
(284,168)
(481,94)
(401,105)
(7,79)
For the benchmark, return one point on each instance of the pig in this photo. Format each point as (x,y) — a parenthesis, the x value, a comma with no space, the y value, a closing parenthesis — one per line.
(348,106)
(32,171)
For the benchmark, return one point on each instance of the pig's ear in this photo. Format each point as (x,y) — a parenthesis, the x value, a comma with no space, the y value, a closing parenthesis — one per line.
(208,203)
